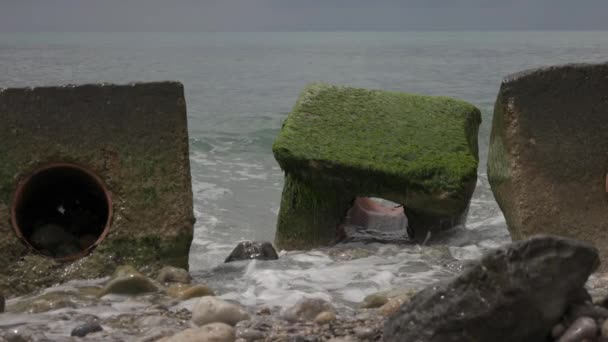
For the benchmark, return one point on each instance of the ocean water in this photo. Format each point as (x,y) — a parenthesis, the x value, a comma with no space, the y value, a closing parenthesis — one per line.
(239,88)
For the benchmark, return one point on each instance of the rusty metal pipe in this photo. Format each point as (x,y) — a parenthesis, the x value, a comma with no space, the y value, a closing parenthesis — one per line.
(61,211)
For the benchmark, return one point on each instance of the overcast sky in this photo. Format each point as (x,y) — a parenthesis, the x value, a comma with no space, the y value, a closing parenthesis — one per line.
(301,15)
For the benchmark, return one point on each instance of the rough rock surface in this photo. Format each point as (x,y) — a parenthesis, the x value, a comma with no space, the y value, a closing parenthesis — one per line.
(329,150)
(516,293)
(135,138)
(246,250)
(547,157)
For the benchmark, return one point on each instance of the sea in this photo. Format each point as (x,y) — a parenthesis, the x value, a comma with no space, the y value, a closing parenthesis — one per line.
(241,86)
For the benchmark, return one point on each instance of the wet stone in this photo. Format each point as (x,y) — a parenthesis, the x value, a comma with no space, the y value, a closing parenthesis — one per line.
(2,303)
(582,328)
(253,250)
(170,274)
(211,310)
(128,281)
(85,329)
(307,309)
(185,292)
(325,317)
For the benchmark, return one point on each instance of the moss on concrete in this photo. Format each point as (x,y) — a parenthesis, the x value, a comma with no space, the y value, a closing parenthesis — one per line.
(417,150)
(306,212)
(134,137)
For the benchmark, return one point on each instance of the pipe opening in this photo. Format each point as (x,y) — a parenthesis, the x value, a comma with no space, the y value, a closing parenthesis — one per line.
(375,219)
(62,211)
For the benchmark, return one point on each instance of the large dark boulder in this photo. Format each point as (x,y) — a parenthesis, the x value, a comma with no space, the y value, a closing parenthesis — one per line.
(516,293)
(547,160)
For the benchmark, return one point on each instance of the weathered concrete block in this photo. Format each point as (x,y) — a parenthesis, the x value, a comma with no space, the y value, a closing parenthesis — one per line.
(548,152)
(104,167)
(339,143)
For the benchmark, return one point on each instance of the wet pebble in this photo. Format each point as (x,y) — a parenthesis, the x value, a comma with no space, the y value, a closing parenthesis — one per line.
(558,330)
(582,328)
(128,281)
(185,292)
(374,301)
(605,329)
(248,334)
(214,332)
(325,317)
(85,329)
(307,309)
(364,332)
(170,274)
(210,310)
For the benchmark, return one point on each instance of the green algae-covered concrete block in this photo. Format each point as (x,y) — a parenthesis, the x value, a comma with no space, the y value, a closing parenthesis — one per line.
(132,140)
(548,160)
(339,143)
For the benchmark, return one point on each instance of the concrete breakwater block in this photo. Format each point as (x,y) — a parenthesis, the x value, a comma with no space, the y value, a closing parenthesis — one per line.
(92,177)
(340,143)
(548,154)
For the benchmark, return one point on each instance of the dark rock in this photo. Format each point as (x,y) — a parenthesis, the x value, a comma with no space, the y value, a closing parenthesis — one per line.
(85,329)
(545,176)
(583,328)
(2,303)
(253,250)
(511,294)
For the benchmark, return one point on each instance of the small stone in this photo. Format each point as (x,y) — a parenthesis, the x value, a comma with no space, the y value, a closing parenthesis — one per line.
(364,332)
(214,332)
(374,301)
(582,328)
(392,306)
(185,292)
(307,309)
(128,281)
(211,310)
(325,317)
(253,250)
(605,329)
(20,334)
(249,334)
(264,311)
(170,274)
(558,330)
(85,329)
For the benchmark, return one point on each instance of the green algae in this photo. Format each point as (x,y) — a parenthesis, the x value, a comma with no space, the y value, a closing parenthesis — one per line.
(420,142)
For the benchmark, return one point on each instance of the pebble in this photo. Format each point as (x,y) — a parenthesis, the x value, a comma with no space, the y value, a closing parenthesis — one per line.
(582,328)
(364,332)
(170,274)
(185,292)
(307,309)
(85,329)
(325,317)
(128,281)
(374,301)
(605,329)
(214,332)
(211,310)
(558,330)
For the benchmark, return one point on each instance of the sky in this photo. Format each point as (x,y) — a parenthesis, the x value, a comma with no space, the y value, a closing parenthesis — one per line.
(299,15)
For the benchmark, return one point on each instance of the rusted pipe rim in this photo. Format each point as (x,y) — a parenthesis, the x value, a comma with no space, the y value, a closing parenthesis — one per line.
(18,198)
